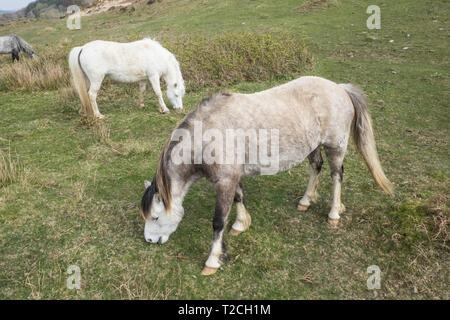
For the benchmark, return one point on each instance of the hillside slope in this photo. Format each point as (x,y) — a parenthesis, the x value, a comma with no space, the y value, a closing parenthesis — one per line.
(48,9)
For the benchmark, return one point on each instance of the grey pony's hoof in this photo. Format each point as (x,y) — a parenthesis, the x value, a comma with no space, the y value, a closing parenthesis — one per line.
(333,222)
(207,271)
(234,232)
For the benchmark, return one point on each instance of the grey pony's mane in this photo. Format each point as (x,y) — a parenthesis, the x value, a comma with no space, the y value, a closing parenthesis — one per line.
(23,45)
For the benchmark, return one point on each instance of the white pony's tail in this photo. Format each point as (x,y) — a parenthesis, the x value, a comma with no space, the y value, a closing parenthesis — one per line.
(363,136)
(79,80)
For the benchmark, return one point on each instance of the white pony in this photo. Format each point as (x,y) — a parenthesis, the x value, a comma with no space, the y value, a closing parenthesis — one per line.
(137,61)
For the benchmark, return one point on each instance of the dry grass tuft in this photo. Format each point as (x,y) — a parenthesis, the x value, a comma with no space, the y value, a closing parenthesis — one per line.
(68,94)
(79,190)
(9,168)
(31,75)
(440,218)
(101,130)
(102,133)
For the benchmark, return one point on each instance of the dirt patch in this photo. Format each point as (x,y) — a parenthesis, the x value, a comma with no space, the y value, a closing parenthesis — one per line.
(105,5)
(317,4)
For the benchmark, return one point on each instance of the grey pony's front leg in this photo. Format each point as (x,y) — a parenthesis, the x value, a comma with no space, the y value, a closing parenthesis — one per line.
(15,55)
(316,162)
(225,191)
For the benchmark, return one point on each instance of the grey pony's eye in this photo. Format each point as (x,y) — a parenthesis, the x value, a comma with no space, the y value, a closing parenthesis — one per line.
(155,219)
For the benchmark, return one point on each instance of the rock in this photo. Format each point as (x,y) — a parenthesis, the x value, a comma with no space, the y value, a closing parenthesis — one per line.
(87,3)
(30,15)
(149,2)
(50,13)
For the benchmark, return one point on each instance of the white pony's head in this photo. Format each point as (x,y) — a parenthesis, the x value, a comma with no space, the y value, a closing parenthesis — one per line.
(175,93)
(160,220)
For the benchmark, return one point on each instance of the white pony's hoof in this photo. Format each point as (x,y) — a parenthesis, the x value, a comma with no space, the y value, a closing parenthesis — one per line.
(207,271)
(100,117)
(234,232)
(165,111)
(333,222)
(302,207)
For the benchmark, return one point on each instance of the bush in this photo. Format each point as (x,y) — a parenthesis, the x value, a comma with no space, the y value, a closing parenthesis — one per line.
(235,57)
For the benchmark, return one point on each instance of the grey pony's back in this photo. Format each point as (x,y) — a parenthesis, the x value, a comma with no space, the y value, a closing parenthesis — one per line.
(23,45)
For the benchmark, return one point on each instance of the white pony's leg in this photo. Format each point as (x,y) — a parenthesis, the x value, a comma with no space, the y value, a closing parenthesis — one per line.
(315,161)
(154,80)
(93,90)
(335,159)
(142,87)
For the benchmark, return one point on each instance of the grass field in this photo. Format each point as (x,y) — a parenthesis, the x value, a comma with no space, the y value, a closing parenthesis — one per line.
(70,192)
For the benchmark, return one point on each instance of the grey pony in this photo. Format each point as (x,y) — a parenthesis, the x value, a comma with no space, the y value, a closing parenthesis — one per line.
(309,113)
(13,45)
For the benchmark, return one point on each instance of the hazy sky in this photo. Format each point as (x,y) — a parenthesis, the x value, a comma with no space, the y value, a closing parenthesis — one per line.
(14,4)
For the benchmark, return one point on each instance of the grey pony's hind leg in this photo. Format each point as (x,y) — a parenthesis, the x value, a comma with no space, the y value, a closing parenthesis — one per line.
(243,218)
(336,159)
(225,191)
(316,162)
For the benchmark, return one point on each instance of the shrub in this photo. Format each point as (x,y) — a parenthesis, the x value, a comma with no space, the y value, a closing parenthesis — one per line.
(235,57)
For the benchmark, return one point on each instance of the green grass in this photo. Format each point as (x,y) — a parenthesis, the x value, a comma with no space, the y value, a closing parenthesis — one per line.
(75,196)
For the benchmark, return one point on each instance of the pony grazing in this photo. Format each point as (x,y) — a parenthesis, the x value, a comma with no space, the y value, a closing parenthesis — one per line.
(137,61)
(227,137)
(13,45)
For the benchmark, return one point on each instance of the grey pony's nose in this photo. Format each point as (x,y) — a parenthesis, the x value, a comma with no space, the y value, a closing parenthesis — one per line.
(148,240)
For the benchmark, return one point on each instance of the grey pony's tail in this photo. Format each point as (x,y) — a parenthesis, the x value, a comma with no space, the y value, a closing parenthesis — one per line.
(24,46)
(363,136)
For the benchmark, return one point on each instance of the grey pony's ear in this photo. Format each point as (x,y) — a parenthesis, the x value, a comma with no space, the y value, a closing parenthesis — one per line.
(147,184)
